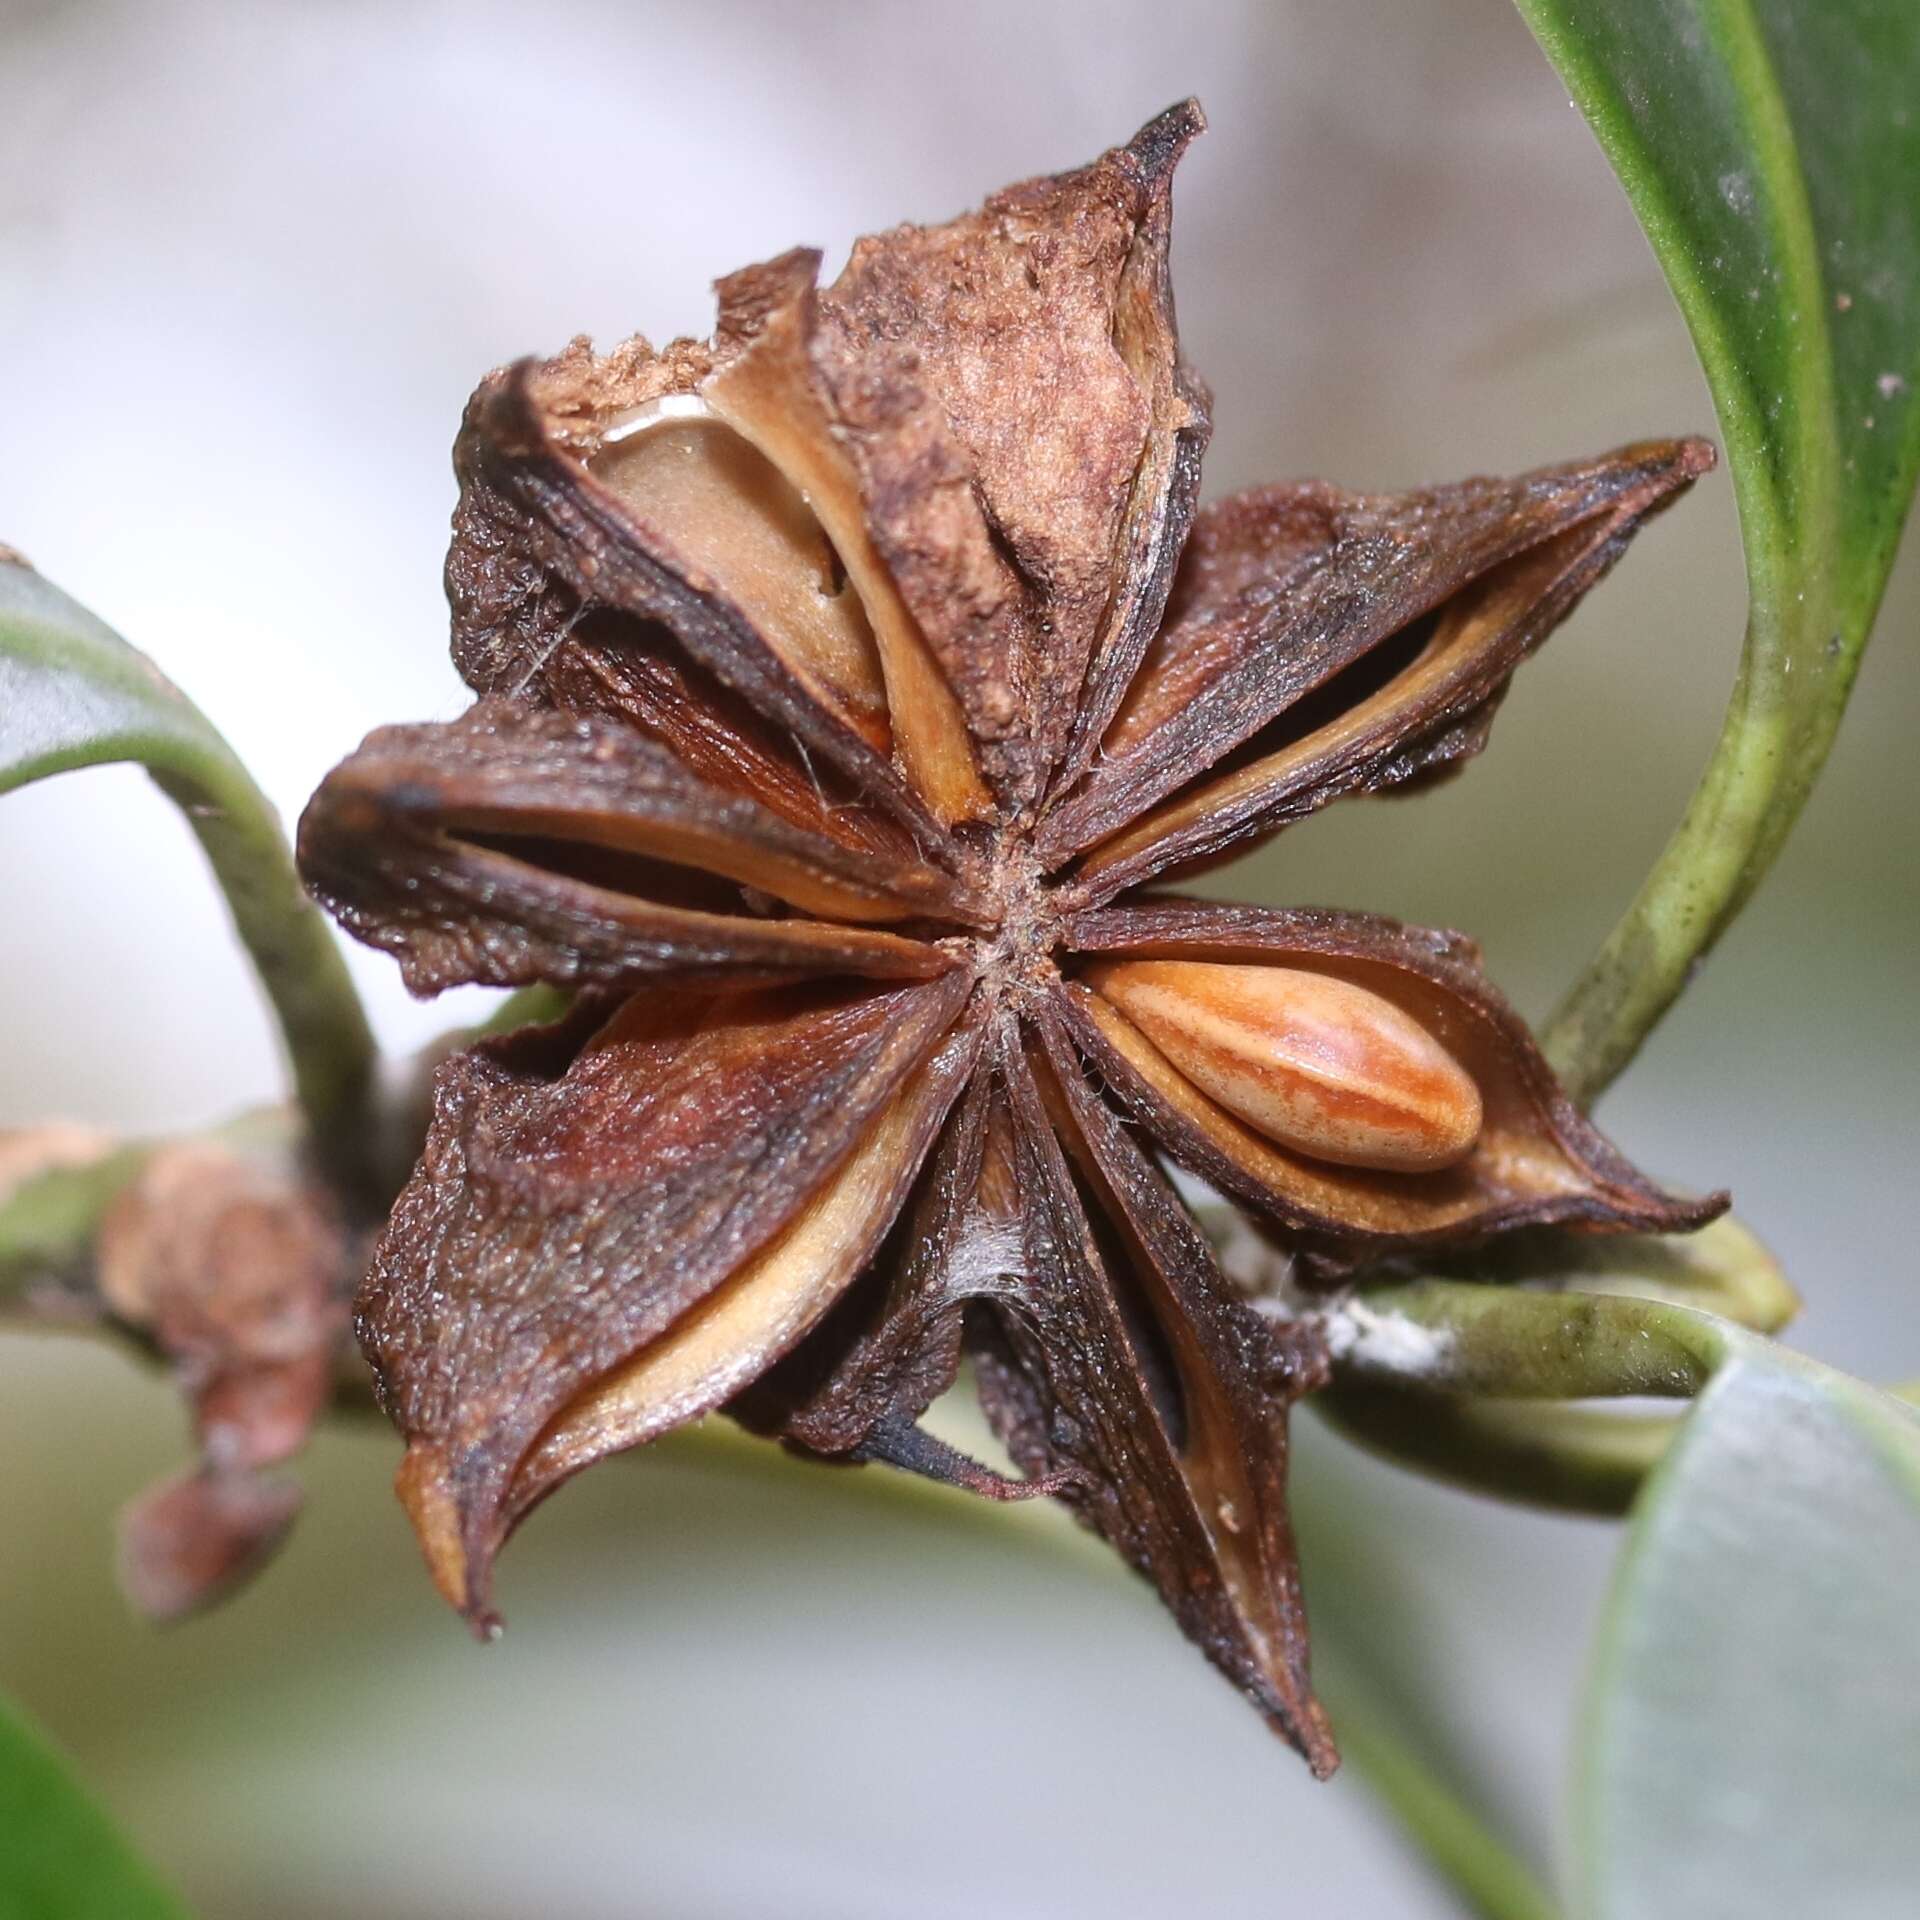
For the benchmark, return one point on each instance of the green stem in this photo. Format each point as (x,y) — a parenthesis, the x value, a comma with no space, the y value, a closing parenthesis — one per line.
(329,1044)
(74,694)
(1467,1383)
(1758,779)
(1785,458)
(1456,1336)
(1570,1458)
(1458,1843)
(1722,1270)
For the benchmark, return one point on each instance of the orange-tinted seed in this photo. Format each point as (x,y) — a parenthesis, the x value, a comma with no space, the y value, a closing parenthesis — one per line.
(1313,1062)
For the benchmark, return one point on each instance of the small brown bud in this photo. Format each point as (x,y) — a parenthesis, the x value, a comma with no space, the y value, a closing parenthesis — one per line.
(226,1257)
(1312,1061)
(233,1264)
(190,1540)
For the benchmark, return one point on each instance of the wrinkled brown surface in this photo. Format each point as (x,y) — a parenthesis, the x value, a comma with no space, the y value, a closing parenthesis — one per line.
(513,845)
(778,389)
(768,1302)
(842,681)
(1215,1534)
(568,1211)
(594,554)
(984,374)
(1500,564)
(894,1345)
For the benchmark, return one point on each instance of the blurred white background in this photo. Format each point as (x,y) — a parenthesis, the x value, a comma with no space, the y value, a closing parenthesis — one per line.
(252,259)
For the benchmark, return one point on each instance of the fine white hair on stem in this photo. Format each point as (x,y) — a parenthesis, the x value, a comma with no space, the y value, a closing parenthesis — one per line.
(987,1251)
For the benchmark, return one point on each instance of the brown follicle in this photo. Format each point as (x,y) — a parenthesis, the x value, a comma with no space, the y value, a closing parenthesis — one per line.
(424,1483)
(732,516)
(1535,1160)
(776,393)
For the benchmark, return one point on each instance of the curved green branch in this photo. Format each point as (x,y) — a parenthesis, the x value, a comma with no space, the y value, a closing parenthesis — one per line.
(1458,1336)
(1570,1458)
(1771,155)
(74,694)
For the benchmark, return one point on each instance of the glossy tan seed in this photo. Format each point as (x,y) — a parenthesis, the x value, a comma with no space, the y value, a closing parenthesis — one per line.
(1315,1063)
(732,515)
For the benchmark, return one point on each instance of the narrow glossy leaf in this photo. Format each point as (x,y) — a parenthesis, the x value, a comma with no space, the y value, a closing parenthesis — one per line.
(60,1859)
(74,694)
(1771,153)
(1752,1739)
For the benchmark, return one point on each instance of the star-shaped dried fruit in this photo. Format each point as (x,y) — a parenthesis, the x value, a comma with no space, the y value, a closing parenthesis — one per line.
(844,683)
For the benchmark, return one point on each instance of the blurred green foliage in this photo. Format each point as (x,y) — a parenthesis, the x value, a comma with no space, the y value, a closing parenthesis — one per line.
(59,1859)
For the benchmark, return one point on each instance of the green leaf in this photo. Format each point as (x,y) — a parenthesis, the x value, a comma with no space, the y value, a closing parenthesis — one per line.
(1772,154)
(60,1859)
(1752,1733)
(74,694)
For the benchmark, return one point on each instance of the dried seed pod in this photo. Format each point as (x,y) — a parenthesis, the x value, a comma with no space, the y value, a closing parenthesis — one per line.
(842,680)
(1313,1061)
